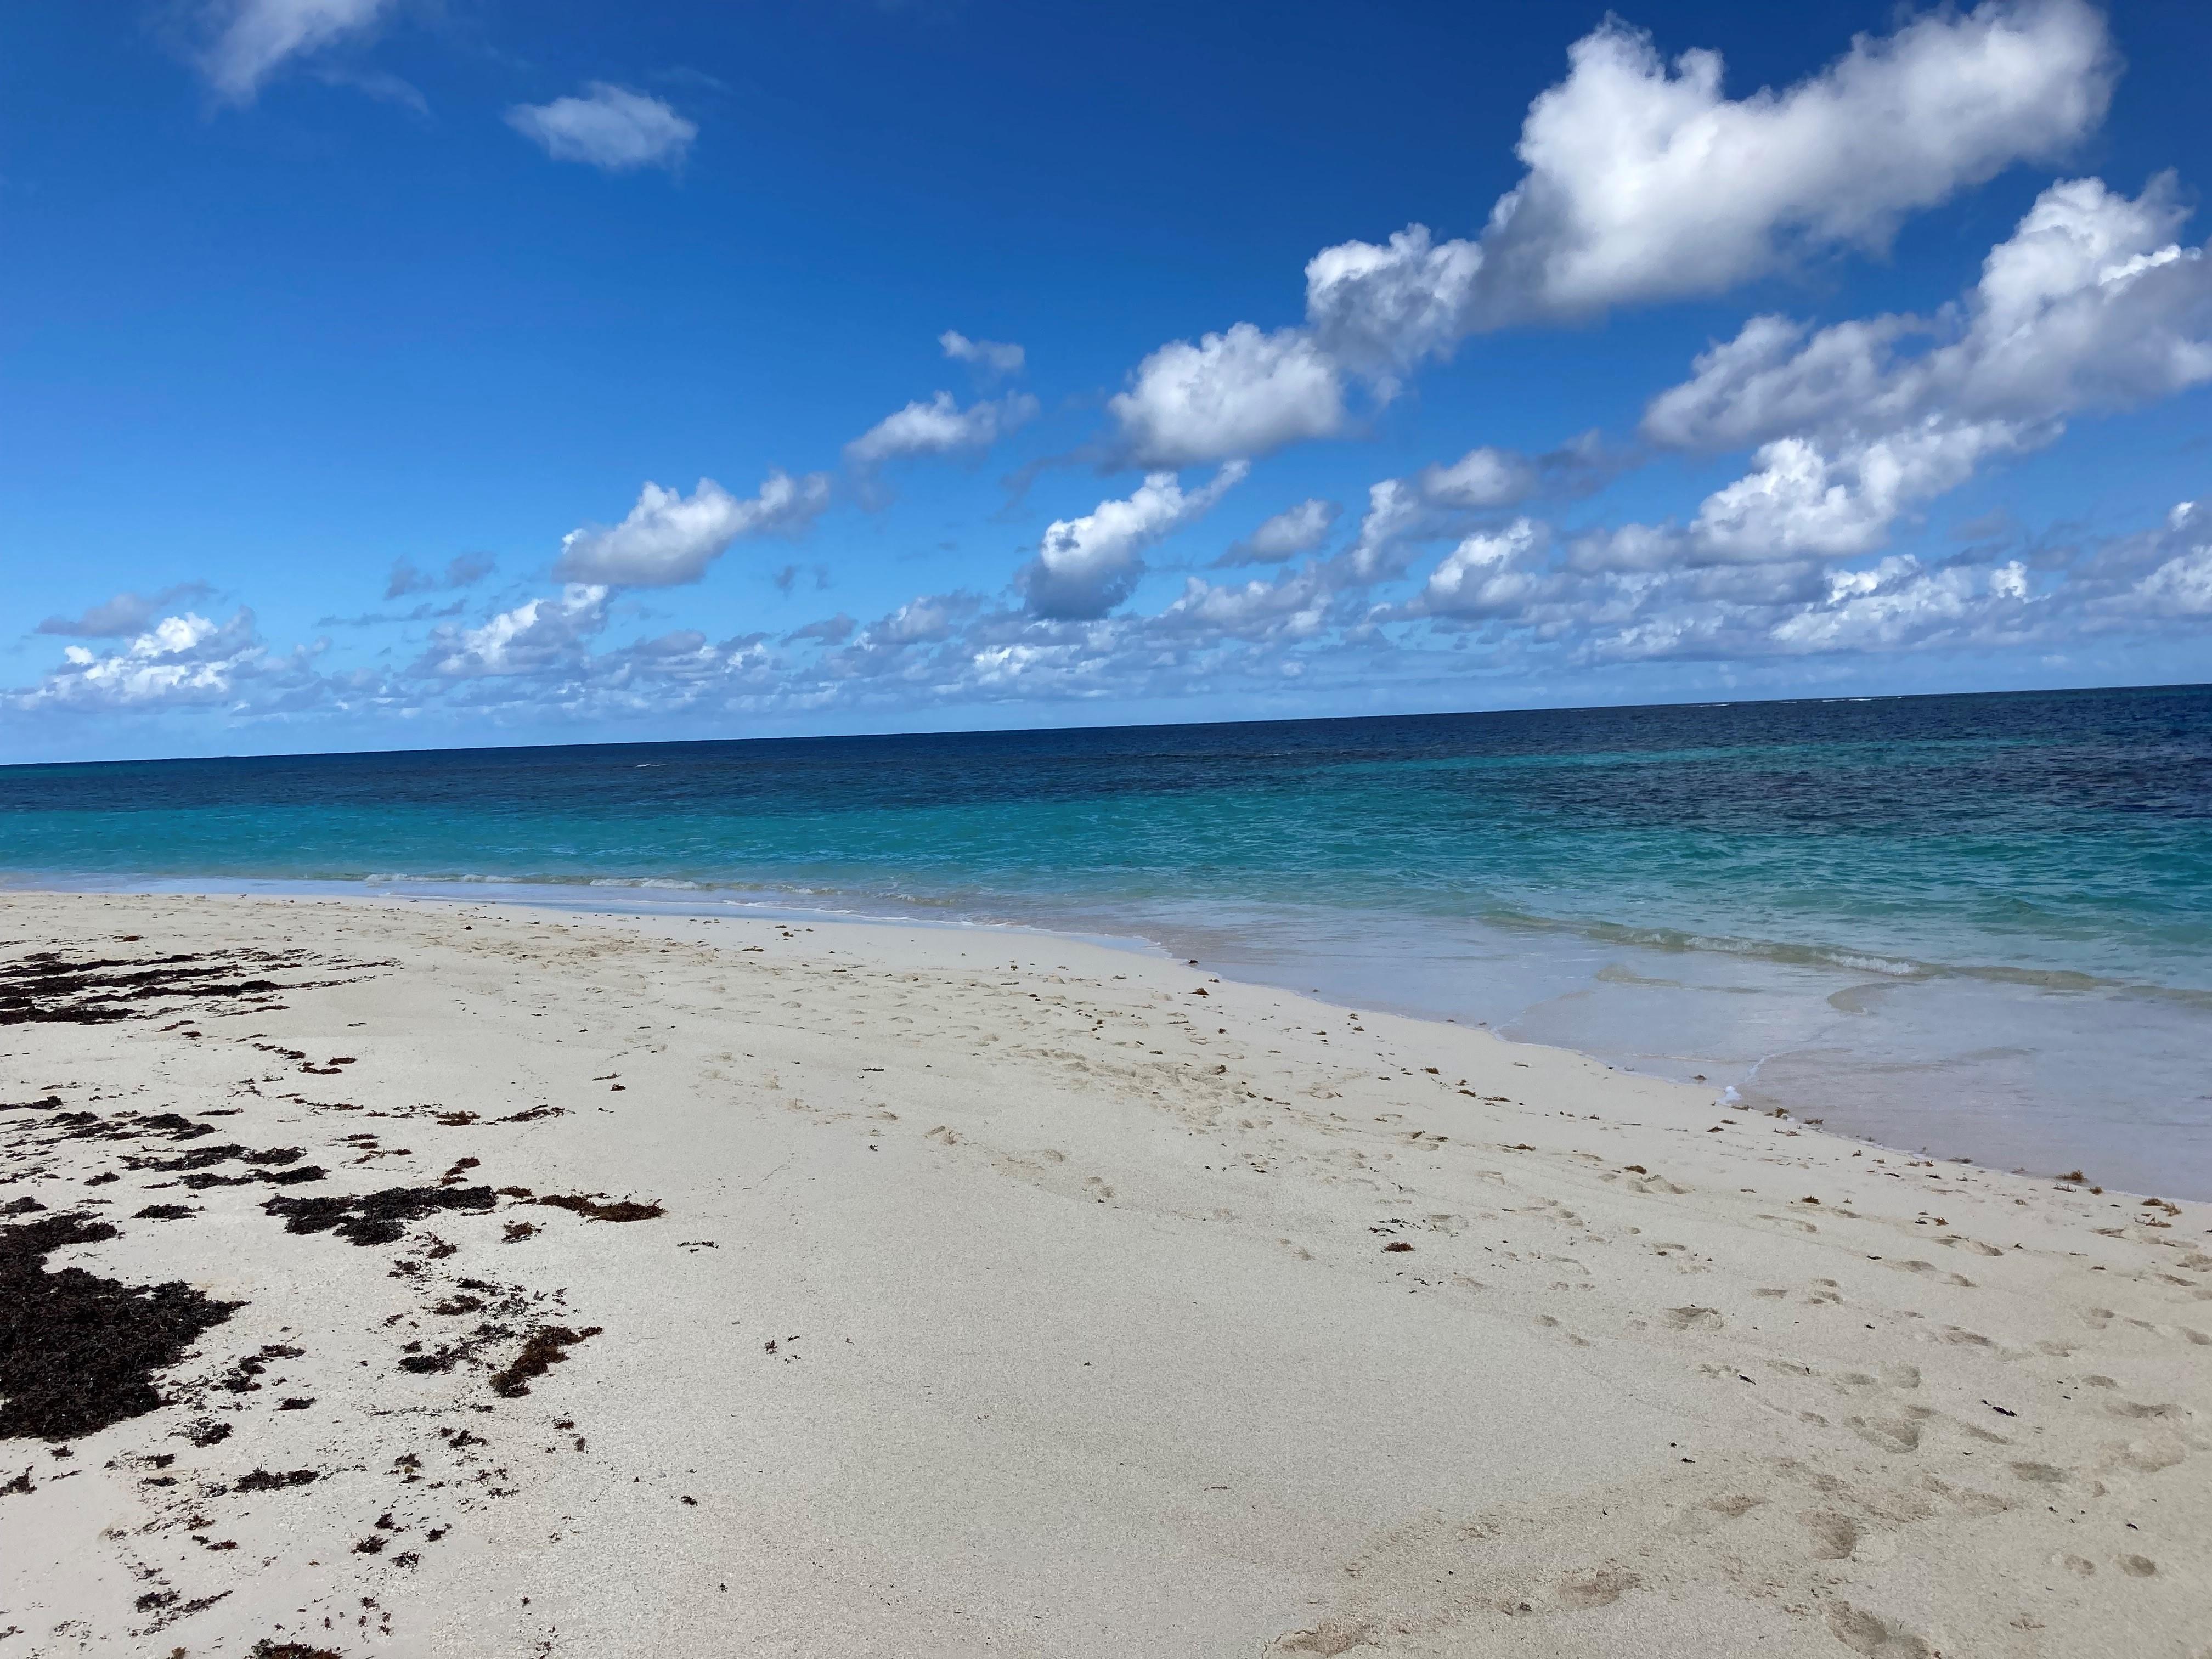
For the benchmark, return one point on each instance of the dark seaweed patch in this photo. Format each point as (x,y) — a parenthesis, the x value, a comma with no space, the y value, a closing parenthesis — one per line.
(306,1172)
(541,1351)
(240,1378)
(205,1157)
(47,987)
(265,1648)
(164,1212)
(373,1217)
(264,1480)
(78,1352)
(619,1209)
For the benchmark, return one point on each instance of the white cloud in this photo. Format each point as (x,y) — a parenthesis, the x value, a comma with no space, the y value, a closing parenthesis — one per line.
(1645,184)
(918,621)
(1085,566)
(1488,575)
(1382,308)
(2181,585)
(1295,529)
(938,428)
(2090,303)
(179,660)
(1480,479)
(1900,602)
(1394,511)
(1800,502)
(611,128)
(1431,503)
(1295,606)
(253,38)
(992,356)
(539,636)
(669,538)
(1241,393)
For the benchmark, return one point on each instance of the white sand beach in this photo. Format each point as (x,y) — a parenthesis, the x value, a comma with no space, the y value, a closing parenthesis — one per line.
(993,1292)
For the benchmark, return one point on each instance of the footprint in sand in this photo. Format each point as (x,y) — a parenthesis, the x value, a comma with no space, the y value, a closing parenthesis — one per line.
(1833,1537)
(1600,1588)
(2150,1456)
(1891,1434)
(2133,1408)
(1328,1639)
(2138,1566)
(1873,1637)
(1693,1319)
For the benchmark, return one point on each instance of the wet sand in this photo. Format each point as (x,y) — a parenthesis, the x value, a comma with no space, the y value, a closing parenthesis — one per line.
(432,1279)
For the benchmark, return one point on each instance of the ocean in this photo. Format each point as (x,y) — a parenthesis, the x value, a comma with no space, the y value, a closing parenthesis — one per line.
(1975,926)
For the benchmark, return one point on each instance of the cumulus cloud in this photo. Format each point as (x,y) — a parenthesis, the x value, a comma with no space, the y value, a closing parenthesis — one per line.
(463,570)
(939,427)
(610,127)
(1296,606)
(1380,308)
(1798,501)
(540,636)
(1645,183)
(670,538)
(2179,584)
(1294,531)
(1433,502)
(1482,478)
(2091,303)
(1085,566)
(253,39)
(1901,602)
(183,659)
(1488,575)
(989,356)
(1396,514)
(1238,393)
(126,613)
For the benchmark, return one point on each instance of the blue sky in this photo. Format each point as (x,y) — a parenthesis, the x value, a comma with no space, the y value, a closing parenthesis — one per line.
(387,373)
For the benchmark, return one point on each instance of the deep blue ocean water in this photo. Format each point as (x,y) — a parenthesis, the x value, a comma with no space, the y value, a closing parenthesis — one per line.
(1928,918)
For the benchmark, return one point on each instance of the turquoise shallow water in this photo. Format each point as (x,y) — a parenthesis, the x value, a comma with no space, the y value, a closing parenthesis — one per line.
(1985,919)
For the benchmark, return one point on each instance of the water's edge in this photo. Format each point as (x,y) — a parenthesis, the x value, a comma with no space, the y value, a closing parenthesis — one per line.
(1867,1053)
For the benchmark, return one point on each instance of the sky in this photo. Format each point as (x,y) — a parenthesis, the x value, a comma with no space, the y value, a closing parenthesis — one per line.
(393,373)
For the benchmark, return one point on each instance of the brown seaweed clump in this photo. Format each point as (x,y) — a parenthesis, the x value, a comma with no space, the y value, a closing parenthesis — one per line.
(374,1217)
(541,1351)
(77,1351)
(623,1209)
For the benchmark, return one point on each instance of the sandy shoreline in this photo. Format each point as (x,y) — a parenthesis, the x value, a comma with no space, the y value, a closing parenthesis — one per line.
(1030,1304)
